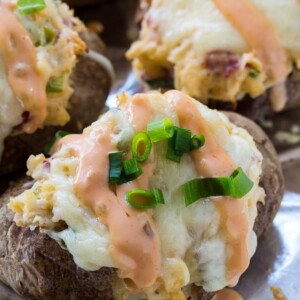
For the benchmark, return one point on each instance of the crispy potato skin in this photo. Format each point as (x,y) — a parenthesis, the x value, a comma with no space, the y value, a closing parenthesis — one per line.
(91,86)
(36,267)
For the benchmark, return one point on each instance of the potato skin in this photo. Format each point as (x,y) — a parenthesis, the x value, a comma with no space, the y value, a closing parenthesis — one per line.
(91,84)
(272,177)
(36,267)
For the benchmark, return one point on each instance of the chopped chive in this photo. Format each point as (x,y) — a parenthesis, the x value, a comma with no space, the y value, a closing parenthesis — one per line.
(55,85)
(27,7)
(160,130)
(141,199)
(58,135)
(158,195)
(141,146)
(237,185)
(115,166)
(197,141)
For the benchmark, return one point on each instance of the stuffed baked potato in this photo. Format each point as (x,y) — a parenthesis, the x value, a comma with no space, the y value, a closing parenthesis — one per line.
(163,242)
(37,68)
(222,53)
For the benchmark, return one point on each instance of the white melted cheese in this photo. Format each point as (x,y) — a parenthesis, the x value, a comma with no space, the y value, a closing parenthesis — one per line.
(204,23)
(193,247)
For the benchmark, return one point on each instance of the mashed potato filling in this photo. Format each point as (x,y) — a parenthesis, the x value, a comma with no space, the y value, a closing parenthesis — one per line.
(37,55)
(195,243)
(217,49)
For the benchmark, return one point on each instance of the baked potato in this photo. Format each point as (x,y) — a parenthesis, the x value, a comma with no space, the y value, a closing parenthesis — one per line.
(35,106)
(163,244)
(208,50)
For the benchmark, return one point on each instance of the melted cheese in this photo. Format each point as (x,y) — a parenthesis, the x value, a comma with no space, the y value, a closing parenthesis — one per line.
(194,247)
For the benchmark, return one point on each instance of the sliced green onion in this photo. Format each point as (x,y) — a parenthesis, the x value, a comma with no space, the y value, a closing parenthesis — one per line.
(55,85)
(241,183)
(254,73)
(58,135)
(115,166)
(131,169)
(178,144)
(158,195)
(27,7)
(182,139)
(141,146)
(160,130)
(237,185)
(197,141)
(141,199)
(49,35)
(171,154)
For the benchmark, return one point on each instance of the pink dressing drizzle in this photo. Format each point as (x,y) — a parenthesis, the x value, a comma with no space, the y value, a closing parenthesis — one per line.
(20,58)
(262,37)
(211,161)
(135,251)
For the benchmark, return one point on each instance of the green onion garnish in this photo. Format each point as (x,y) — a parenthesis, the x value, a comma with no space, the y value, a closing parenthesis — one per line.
(179,144)
(49,35)
(131,169)
(182,139)
(197,141)
(141,146)
(55,85)
(141,199)
(160,130)
(27,7)
(236,185)
(171,153)
(115,166)
(254,74)
(58,135)
(241,183)
(158,195)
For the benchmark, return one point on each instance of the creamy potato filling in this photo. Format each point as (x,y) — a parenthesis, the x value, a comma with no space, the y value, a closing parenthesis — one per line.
(37,55)
(196,244)
(219,50)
